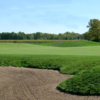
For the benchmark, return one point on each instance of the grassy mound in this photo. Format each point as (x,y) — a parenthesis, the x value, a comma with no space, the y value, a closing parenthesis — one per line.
(30,62)
(86,82)
(70,65)
(78,43)
(76,64)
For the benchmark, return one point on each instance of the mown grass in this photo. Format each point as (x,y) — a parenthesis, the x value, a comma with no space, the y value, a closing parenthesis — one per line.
(68,60)
(65,43)
(31,49)
(78,43)
(46,43)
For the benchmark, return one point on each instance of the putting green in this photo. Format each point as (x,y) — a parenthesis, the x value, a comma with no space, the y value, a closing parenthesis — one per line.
(24,48)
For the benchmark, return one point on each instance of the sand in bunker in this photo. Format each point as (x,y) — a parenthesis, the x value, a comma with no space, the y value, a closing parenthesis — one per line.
(34,84)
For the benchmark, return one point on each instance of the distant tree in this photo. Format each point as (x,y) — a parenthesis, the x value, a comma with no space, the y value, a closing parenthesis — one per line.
(0,35)
(21,35)
(37,35)
(13,35)
(30,36)
(83,36)
(54,37)
(94,30)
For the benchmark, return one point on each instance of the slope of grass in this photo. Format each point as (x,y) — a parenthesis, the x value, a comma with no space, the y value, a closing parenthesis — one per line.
(31,49)
(45,44)
(78,43)
(65,64)
(28,41)
(77,64)
(71,59)
(87,82)
(29,61)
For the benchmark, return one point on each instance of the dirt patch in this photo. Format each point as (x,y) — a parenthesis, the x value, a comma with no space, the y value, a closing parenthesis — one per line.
(34,84)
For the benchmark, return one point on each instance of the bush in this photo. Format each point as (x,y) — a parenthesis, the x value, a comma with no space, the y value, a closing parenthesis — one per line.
(86,82)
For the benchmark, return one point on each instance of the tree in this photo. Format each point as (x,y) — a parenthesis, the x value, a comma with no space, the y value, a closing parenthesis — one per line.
(30,36)
(21,35)
(94,30)
(37,35)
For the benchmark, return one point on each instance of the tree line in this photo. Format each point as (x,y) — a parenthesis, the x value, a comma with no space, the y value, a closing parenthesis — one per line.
(92,34)
(40,36)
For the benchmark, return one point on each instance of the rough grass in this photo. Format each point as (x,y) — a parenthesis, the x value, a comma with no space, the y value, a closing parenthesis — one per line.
(65,64)
(86,82)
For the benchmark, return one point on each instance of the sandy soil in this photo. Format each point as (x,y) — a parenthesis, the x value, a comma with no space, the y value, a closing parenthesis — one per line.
(34,84)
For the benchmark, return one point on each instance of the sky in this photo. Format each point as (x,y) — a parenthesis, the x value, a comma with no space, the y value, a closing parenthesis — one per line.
(47,16)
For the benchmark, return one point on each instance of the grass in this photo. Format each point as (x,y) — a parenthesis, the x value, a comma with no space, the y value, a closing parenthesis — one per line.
(29,41)
(65,64)
(66,43)
(45,44)
(78,43)
(86,82)
(31,49)
(68,60)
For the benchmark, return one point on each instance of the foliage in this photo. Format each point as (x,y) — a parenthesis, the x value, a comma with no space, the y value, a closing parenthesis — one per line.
(94,30)
(86,82)
(40,36)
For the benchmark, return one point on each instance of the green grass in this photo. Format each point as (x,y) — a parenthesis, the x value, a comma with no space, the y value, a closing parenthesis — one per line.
(78,43)
(28,41)
(76,64)
(66,43)
(45,44)
(65,64)
(31,49)
(68,60)
(86,82)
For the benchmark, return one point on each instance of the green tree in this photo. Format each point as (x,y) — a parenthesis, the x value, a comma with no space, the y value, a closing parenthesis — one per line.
(94,30)
(21,35)
(38,35)
(30,36)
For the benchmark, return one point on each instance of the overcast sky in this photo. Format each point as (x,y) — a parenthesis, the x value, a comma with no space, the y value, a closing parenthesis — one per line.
(51,16)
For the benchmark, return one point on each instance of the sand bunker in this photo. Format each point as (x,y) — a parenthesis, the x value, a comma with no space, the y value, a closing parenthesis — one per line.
(34,84)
